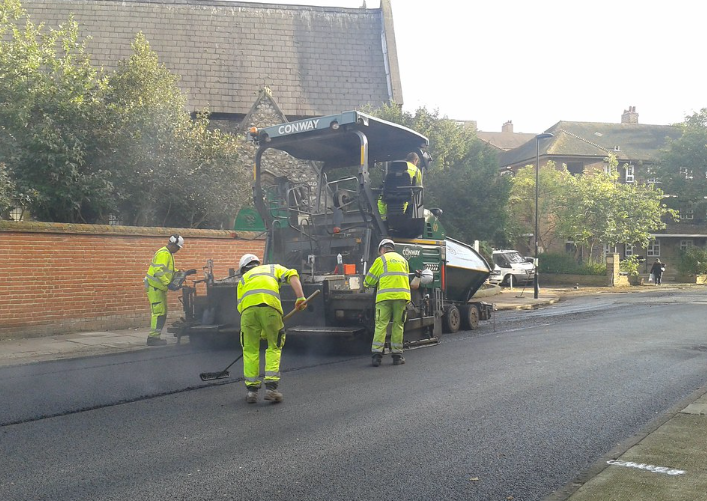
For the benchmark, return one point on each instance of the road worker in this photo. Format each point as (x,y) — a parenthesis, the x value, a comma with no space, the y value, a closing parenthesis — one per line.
(415,174)
(259,304)
(390,272)
(157,281)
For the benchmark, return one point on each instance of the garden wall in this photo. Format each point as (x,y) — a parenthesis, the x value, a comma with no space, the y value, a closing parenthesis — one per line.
(57,278)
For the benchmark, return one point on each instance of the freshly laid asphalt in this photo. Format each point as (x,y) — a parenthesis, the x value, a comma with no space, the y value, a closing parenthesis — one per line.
(666,462)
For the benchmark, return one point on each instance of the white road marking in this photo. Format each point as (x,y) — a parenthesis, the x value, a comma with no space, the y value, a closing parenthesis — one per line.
(647,467)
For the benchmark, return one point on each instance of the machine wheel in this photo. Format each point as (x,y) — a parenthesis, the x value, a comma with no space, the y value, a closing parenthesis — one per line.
(470,317)
(451,319)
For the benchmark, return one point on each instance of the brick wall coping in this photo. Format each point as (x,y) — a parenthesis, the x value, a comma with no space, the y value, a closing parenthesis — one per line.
(105,229)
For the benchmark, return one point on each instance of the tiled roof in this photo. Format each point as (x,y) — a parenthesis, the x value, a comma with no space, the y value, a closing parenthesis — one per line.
(590,139)
(316,60)
(505,140)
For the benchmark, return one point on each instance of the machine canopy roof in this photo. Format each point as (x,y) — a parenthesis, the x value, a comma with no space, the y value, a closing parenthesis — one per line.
(332,139)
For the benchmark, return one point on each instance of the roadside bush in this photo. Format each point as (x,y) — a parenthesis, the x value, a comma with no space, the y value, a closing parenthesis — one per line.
(565,263)
(693,261)
(630,266)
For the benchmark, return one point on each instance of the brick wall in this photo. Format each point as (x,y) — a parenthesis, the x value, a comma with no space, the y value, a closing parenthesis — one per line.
(57,278)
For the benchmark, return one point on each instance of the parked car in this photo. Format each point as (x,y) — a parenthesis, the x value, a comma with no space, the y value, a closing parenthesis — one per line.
(510,263)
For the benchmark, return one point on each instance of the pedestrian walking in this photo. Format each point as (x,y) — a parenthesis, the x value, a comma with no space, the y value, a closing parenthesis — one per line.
(259,304)
(657,271)
(390,272)
(159,277)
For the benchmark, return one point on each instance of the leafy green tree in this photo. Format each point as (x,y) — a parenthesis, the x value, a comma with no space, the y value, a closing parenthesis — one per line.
(464,180)
(50,111)
(602,210)
(169,170)
(7,191)
(590,209)
(682,169)
(553,188)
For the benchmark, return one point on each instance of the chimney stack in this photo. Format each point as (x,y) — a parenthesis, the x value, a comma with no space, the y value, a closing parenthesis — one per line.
(507,127)
(629,116)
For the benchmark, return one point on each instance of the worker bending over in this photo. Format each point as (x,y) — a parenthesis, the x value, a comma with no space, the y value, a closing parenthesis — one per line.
(390,272)
(159,276)
(259,304)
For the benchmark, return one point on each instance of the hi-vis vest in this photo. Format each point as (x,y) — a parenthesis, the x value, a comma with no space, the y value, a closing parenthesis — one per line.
(415,174)
(391,272)
(262,285)
(161,271)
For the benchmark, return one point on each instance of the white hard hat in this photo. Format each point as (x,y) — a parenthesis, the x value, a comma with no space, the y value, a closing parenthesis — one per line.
(426,276)
(177,240)
(386,241)
(246,260)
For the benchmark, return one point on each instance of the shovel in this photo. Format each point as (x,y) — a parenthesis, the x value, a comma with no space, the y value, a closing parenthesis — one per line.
(211,376)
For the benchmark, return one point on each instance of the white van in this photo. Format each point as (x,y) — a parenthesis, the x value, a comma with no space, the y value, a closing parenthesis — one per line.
(510,263)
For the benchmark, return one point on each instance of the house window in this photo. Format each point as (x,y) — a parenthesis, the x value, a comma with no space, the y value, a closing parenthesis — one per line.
(609,249)
(629,250)
(570,246)
(685,244)
(17,214)
(653,249)
(630,178)
(114,220)
(575,168)
(687,214)
(686,173)
(651,177)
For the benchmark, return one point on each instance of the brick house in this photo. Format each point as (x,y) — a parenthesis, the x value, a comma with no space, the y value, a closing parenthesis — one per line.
(583,146)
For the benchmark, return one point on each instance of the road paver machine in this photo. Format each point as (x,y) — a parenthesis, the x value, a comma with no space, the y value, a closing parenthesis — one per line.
(327,225)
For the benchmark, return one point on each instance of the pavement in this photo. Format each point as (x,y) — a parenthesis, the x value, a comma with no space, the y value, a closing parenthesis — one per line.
(666,462)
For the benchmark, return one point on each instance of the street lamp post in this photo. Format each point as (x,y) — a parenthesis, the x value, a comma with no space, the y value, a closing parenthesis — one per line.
(544,135)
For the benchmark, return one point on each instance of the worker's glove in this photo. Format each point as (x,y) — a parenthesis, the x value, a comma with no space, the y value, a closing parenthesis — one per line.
(190,272)
(418,273)
(301,303)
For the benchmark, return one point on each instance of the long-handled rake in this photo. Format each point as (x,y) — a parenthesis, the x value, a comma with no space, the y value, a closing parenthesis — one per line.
(211,376)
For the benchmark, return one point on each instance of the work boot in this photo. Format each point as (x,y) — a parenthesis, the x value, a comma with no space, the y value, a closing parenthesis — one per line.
(398,360)
(251,397)
(376,360)
(273,395)
(156,341)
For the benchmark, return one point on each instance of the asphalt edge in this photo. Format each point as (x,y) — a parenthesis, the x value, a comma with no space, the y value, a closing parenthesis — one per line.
(565,492)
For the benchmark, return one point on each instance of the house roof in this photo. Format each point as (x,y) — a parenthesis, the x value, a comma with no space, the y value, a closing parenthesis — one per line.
(317,60)
(682,230)
(505,141)
(634,142)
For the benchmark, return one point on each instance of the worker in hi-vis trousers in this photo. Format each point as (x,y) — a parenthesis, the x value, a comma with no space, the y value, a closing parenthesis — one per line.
(159,276)
(259,304)
(390,272)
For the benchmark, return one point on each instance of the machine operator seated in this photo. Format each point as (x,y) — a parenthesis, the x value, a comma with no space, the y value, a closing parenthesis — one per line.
(397,192)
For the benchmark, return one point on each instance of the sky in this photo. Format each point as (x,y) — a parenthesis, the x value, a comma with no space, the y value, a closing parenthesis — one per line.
(536,63)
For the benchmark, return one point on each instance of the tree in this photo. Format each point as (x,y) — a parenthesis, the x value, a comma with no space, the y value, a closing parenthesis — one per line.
(464,180)
(554,185)
(603,211)
(80,146)
(7,191)
(50,111)
(682,169)
(590,209)
(169,170)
